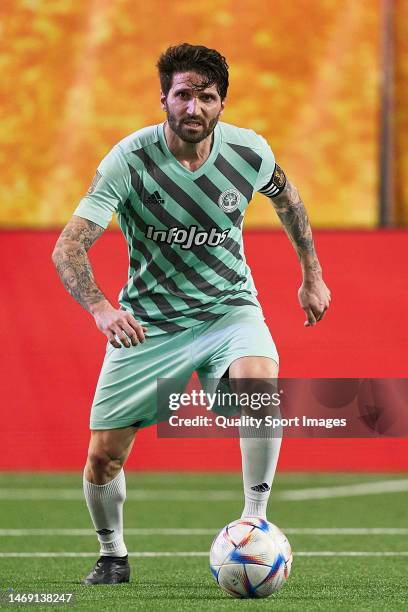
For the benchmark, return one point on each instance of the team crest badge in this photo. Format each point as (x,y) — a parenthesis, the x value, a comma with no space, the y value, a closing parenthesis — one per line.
(229,200)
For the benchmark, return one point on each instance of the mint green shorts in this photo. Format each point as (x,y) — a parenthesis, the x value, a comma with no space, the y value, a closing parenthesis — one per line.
(126,393)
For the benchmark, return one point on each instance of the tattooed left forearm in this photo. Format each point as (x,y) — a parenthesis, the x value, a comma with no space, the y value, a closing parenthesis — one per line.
(292,213)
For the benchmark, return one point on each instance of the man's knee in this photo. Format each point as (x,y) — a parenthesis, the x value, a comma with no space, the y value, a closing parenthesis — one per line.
(255,381)
(100,460)
(101,467)
(108,451)
(254,367)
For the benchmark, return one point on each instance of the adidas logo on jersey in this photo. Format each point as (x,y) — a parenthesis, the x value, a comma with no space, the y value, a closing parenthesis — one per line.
(154,198)
(187,237)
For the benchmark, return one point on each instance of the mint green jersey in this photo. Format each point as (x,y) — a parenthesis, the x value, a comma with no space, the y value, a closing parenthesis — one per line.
(183,228)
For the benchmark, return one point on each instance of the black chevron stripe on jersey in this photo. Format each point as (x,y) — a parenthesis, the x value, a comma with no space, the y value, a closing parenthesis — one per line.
(213,193)
(177,261)
(142,288)
(167,326)
(190,273)
(238,302)
(231,245)
(165,308)
(140,311)
(175,192)
(247,154)
(175,291)
(168,220)
(170,285)
(160,276)
(234,177)
(158,145)
(140,247)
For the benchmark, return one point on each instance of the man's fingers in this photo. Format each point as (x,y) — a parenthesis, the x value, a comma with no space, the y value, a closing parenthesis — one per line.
(130,332)
(321,315)
(128,335)
(112,340)
(311,320)
(317,311)
(139,329)
(315,301)
(120,328)
(121,336)
(318,314)
(132,321)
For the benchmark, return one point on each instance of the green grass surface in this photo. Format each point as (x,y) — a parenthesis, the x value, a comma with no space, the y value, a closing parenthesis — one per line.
(185,583)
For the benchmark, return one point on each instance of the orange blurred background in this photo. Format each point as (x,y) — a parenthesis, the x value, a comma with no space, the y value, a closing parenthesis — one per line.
(79,76)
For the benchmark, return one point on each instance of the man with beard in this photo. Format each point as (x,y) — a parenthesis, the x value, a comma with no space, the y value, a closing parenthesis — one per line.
(180,190)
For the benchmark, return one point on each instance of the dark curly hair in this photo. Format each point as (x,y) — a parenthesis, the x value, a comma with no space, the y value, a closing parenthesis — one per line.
(209,63)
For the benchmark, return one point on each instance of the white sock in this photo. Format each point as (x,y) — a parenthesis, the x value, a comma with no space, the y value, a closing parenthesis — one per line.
(260,454)
(105,505)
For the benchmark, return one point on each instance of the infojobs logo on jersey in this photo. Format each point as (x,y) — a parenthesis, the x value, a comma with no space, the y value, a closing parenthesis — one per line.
(187,237)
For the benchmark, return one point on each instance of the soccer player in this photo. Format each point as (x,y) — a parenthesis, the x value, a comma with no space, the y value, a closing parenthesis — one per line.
(180,190)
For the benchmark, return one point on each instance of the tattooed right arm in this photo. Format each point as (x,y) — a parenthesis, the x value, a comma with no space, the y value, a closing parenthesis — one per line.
(74,268)
(72,263)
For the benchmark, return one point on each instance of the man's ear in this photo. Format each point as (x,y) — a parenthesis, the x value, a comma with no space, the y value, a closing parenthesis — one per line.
(163,101)
(222,106)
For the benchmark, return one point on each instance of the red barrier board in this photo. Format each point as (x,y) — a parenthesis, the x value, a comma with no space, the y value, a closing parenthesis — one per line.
(52,350)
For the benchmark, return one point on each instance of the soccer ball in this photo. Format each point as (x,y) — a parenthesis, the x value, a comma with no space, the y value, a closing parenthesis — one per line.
(250,557)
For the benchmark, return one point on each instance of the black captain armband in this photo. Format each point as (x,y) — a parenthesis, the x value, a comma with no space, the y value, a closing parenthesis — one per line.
(276,184)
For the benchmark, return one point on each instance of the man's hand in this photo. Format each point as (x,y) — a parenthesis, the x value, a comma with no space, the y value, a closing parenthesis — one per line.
(74,268)
(314,298)
(117,325)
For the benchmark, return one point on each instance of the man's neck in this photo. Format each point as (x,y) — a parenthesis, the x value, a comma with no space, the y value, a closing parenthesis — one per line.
(189,154)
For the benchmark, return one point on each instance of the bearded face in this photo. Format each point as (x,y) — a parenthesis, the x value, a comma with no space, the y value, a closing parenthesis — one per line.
(192,110)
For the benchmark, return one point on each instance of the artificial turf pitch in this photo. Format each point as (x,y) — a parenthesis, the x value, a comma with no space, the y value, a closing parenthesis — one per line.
(183,512)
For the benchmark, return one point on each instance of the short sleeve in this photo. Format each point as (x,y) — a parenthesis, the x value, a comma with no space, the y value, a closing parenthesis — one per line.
(267,166)
(109,189)
(271,179)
